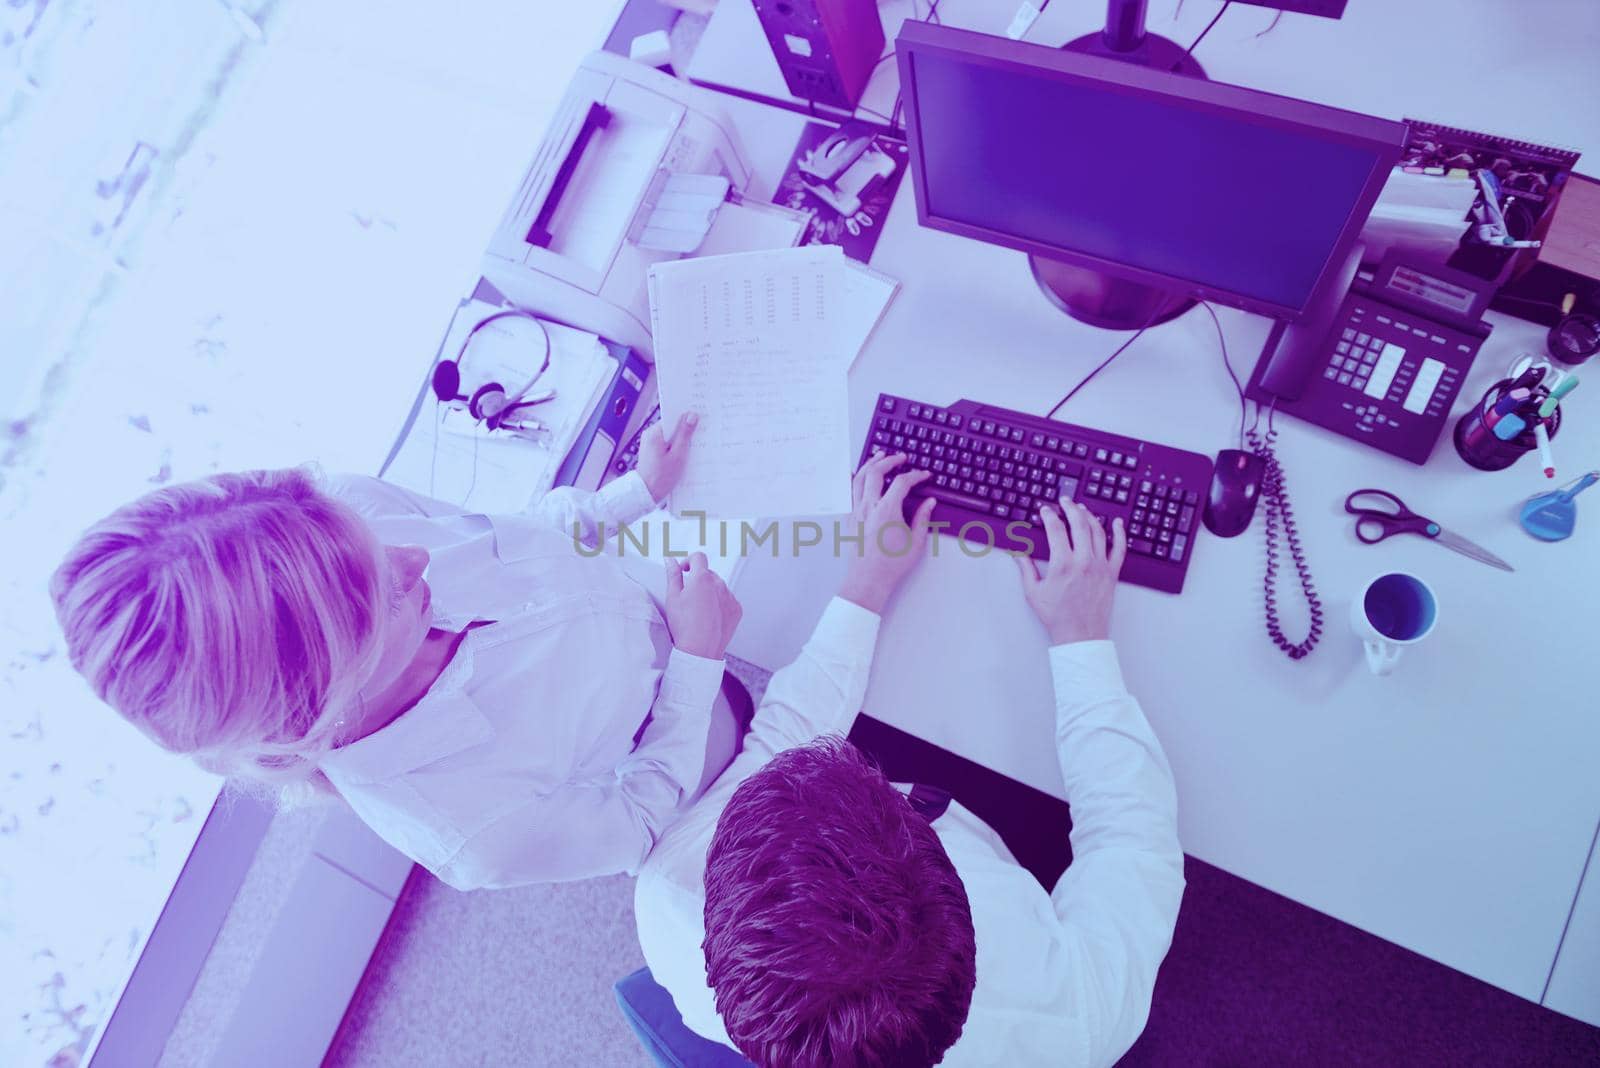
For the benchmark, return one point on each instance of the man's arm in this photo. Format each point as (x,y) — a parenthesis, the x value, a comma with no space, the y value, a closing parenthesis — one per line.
(1118,901)
(1120,895)
(818,693)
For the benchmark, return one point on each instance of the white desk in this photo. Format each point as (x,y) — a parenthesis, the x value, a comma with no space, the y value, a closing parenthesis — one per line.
(1449,808)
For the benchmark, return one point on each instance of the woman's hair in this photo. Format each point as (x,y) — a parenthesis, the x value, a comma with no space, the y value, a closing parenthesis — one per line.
(233,619)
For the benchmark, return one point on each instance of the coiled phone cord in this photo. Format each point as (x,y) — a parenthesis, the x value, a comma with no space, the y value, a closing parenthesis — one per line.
(1275,499)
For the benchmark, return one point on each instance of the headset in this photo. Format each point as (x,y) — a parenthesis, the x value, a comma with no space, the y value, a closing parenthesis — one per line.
(489,403)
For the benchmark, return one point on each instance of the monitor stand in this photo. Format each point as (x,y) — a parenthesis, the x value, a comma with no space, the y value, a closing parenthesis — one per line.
(1083,293)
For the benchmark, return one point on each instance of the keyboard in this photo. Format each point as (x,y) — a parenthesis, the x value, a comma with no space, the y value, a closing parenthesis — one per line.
(993,469)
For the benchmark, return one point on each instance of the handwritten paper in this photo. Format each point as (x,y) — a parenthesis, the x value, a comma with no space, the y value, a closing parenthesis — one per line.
(867,294)
(757,344)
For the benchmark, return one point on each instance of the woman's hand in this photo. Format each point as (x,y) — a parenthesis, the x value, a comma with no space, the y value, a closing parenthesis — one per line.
(702,612)
(662,459)
(889,548)
(1072,598)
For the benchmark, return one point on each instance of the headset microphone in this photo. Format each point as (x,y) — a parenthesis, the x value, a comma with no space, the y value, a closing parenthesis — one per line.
(489,402)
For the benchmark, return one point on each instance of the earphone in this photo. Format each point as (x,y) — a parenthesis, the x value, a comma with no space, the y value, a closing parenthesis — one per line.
(489,403)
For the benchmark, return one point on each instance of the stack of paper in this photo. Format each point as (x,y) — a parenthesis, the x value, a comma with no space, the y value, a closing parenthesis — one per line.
(758,344)
(449,455)
(1424,214)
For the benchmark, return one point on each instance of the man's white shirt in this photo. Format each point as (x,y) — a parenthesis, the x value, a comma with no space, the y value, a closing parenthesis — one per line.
(1063,978)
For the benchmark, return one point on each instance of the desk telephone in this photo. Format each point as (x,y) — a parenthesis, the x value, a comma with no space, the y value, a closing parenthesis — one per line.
(1382,362)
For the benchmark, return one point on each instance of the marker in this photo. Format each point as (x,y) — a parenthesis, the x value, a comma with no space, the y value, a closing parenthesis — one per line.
(1567,385)
(1542,436)
(1509,426)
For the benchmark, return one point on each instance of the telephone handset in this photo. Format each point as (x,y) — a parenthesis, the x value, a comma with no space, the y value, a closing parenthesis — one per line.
(1291,348)
(1378,361)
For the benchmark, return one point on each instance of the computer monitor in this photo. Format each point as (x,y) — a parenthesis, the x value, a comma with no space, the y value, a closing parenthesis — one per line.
(1136,191)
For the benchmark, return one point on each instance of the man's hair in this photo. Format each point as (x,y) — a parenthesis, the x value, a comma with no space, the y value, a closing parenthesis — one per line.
(837,930)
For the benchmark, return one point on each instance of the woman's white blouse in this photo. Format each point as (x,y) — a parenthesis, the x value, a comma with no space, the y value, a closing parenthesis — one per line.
(520,765)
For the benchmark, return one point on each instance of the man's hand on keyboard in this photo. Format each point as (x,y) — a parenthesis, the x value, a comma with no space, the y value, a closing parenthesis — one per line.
(888,549)
(1072,593)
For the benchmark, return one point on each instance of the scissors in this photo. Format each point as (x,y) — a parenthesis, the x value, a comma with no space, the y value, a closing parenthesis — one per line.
(1380,514)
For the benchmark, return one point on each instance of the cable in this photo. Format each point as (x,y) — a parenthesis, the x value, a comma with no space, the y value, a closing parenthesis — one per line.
(1190,50)
(1279,513)
(1275,499)
(1073,392)
(1222,343)
(1272,25)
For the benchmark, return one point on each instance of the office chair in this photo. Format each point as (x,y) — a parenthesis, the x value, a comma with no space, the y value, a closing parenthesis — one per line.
(649,1010)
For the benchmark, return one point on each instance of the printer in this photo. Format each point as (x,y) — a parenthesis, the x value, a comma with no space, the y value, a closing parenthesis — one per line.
(636,168)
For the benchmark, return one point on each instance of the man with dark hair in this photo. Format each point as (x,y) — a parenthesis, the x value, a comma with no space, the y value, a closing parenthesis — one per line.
(805,912)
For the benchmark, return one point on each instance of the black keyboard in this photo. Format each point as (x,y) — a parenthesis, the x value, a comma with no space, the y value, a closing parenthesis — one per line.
(993,468)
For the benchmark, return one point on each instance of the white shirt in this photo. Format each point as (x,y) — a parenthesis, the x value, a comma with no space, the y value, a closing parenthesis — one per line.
(1063,978)
(519,764)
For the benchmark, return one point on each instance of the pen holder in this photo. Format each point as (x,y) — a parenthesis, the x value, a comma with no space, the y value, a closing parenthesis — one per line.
(1478,446)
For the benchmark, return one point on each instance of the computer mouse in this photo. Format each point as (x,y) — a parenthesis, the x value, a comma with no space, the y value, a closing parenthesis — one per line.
(1235,486)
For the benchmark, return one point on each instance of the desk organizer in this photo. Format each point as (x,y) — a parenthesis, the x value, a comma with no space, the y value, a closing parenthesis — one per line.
(1476,442)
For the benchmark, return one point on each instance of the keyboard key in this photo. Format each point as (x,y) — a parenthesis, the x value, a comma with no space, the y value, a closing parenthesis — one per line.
(941,417)
(886,404)
(955,421)
(1080,450)
(1116,459)
(970,501)
(1101,455)
(1037,441)
(1052,444)
(1140,545)
(1016,435)
(915,411)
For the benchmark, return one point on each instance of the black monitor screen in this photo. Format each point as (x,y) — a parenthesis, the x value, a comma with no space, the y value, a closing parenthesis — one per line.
(1189,191)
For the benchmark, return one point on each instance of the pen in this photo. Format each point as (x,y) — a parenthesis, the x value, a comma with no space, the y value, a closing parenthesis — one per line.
(1542,436)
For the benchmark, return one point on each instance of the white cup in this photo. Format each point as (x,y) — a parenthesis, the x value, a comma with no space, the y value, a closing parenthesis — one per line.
(1392,611)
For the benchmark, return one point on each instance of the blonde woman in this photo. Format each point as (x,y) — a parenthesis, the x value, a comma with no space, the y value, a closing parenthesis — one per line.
(525,714)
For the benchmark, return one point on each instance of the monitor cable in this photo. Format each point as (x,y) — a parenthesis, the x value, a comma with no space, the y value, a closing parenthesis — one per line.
(1279,515)
(1086,379)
